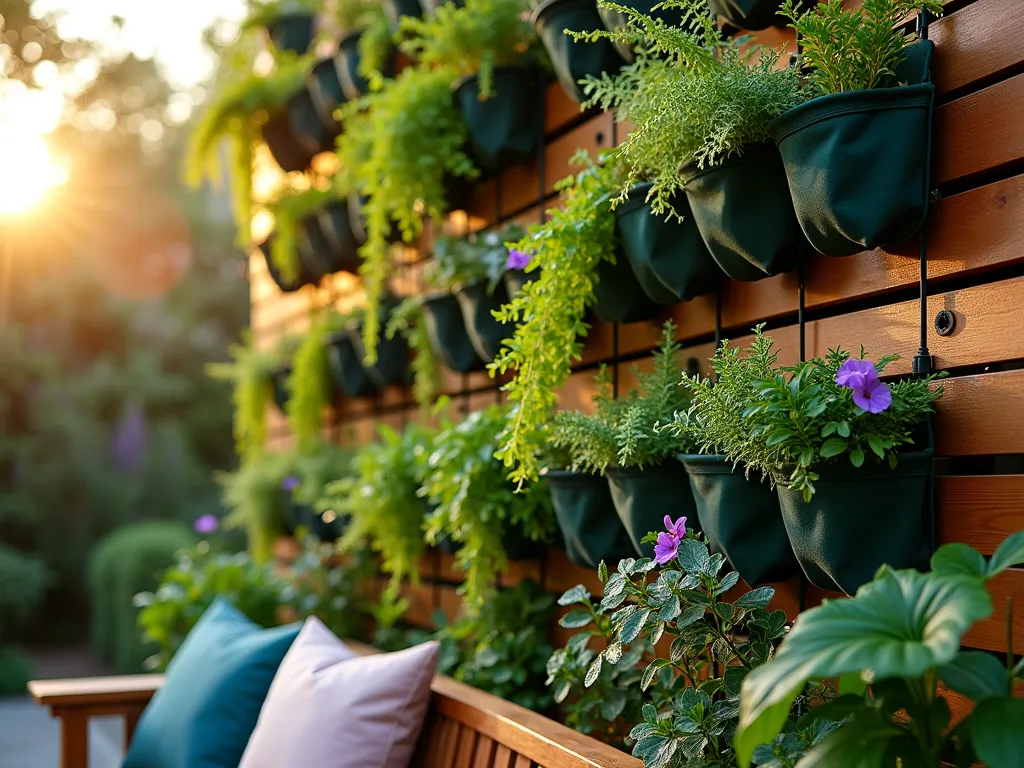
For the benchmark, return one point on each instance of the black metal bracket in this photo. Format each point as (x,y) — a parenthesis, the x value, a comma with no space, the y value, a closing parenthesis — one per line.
(615,361)
(923,364)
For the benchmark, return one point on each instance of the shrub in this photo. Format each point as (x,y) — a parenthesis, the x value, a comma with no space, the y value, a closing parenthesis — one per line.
(125,562)
(15,672)
(23,583)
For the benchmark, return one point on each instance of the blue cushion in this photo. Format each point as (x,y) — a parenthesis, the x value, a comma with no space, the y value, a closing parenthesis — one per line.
(206,710)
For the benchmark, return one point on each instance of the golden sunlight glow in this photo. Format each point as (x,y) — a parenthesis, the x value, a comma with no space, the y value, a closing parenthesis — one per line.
(29,169)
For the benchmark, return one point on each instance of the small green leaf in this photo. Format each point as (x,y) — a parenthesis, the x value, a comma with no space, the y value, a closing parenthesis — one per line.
(632,627)
(843,429)
(613,652)
(876,444)
(975,674)
(593,671)
(724,610)
(832,447)
(778,437)
(829,429)
(734,679)
(602,572)
(576,619)
(862,743)
(852,682)
(958,559)
(857,457)
(693,556)
(690,616)
(756,598)
(1009,554)
(729,581)
(578,594)
(650,672)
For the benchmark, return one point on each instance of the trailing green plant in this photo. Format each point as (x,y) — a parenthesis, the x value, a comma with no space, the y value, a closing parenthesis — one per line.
(266,12)
(23,583)
(853,48)
(389,633)
(502,649)
(614,701)
(310,384)
(376,39)
(317,466)
(252,495)
(626,431)
(690,94)
(289,208)
(567,249)
(475,505)
(481,256)
(714,645)
(825,411)
(890,647)
(236,112)
(473,38)
(407,319)
(382,501)
(414,139)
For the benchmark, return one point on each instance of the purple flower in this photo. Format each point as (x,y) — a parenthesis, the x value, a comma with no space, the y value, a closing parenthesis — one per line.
(291,482)
(518,259)
(128,447)
(667,546)
(869,392)
(206,524)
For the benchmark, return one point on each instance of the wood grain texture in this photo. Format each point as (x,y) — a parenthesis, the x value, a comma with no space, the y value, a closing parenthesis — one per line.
(976,42)
(980,510)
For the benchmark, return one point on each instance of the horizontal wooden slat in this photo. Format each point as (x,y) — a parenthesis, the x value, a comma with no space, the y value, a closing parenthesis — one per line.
(982,415)
(979,510)
(976,42)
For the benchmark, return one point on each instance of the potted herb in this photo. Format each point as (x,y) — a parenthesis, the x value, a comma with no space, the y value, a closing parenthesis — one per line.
(252,496)
(310,469)
(445,326)
(857,154)
(622,440)
(236,112)
(289,23)
(392,365)
(312,237)
(575,248)
(472,267)
(614,20)
(408,139)
(573,61)
(365,45)
(477,507)
(382,503)
(249,373)
(583,446)
(494,53)
(892,647)
(702,107)
(309,384)
(738,509)
(839,435)
(407,321)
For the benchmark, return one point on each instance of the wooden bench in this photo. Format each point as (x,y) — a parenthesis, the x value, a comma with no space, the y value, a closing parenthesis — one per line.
(465,727)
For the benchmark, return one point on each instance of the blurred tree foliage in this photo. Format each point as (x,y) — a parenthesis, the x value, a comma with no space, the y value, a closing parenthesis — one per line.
(123,287)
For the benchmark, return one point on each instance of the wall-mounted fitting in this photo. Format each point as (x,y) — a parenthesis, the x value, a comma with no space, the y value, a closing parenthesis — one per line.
(945,322)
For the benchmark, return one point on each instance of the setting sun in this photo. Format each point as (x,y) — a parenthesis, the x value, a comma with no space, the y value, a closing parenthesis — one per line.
(29,169)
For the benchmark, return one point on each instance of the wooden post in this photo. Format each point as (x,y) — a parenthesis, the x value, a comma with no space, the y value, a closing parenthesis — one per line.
(74,738)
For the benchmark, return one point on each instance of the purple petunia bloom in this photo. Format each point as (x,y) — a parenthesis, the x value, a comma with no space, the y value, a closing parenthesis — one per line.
(291,482)
(206,524)
(667,546)
(869,392)
(518,259)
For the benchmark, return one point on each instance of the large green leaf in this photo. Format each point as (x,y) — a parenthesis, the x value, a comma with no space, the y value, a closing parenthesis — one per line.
(957,558)
(997,732)
(899,625)
(1010,553)
(860,744)
(976,675)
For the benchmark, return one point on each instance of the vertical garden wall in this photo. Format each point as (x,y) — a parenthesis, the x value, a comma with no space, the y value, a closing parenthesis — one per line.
(975,286)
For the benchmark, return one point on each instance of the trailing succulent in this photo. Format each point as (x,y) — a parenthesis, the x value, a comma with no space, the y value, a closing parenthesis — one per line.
(566,250)
(627,431)
(849,49)
(476,506)
(691,95)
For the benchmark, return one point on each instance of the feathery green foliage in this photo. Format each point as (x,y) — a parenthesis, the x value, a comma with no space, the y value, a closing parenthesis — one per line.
(310,384)
(473,38)
(459,261)
(475,504)
(237,111)
(415,140)
(690,94)
(252,495)
(382,501)
(850,49)
(811,420)
(548,315)
(263,13)
(376,44)
(289,209)
(407,319)
(626,431)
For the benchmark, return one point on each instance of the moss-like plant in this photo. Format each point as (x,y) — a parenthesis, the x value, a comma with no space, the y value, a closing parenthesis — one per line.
(252,497)
(473,38)
(459,261)
(376,38)
(310,385)
(853,48)
(261,14)
(476,506)
(691,96)
(381,499)
(576,238)
(415,138)
(627,431)
(289,209)
(237,111)
(407,319)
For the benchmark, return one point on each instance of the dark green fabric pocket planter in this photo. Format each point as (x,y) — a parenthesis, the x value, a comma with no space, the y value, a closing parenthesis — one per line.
(447,331)
(516,279)
(620,298)
(614,20)
(744,213)
(485,331)
(288,152)
(860,519)
(644,496)
(858,163)
(392,366)
(346,366)
(572,61)
(324,85)
(396,9)
(741,518)
(341,240)
(292,32)
(279,386)
(307,128)
(504,128)
(314,249)
(748,14)
(587,519)
(669,258)
(346,62)
(275,274)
